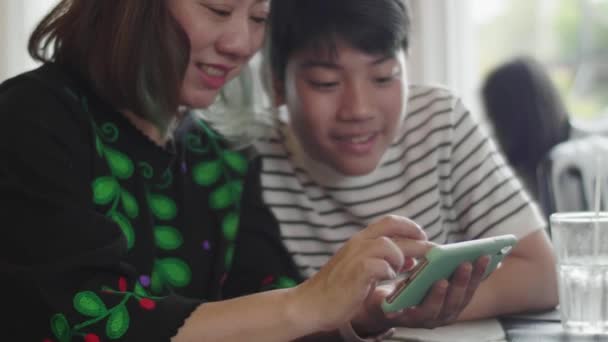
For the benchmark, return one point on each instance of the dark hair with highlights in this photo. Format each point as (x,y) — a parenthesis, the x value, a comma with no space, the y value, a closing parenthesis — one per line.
(134,53)
(372,26)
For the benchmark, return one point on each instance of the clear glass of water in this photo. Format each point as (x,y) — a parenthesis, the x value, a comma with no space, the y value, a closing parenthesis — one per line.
(581,244)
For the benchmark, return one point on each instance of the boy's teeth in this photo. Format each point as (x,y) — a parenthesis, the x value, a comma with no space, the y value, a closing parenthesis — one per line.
(212,71)
(361,139)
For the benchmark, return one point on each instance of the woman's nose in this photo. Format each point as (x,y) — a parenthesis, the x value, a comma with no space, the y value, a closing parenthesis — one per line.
(237,41)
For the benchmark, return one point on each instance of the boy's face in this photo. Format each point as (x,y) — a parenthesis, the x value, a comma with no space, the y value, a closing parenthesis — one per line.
(346,110)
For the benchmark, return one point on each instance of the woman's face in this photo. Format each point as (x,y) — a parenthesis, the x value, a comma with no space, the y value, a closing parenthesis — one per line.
(223,35)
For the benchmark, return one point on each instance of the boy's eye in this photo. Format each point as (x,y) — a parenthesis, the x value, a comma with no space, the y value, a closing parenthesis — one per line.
(323,85)
(384,79)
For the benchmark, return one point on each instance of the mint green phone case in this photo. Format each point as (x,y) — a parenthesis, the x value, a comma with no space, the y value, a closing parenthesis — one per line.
(440,262)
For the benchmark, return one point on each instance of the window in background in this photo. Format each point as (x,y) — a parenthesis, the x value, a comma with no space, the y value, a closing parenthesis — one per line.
(17,20)
(570,37)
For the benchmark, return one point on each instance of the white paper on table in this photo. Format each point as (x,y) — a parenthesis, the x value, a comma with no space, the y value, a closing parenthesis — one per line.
(486,330)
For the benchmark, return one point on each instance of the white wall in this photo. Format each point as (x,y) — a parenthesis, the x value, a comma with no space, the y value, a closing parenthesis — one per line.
(441,51)
(17,19)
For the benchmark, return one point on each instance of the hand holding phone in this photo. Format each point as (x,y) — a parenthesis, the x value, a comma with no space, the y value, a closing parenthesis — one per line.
(440,262)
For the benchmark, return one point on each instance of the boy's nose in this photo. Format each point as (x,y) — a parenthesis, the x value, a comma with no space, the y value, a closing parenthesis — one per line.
(356,104)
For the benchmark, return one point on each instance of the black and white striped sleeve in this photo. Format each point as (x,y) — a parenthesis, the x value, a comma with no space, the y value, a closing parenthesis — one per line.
(487,198)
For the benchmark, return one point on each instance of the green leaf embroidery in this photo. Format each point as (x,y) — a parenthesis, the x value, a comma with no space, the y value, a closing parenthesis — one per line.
(140,291)
(162,207)
(118,323)
(89,304)
(175,271)
(226,195)
(156,283)
(230,225)
(125,226)
(286,282)
(60,327)
(229,256)
(236,161)
(99,145)
(120,165)
(104,190)
(207,173)
(167,238)
(129,204)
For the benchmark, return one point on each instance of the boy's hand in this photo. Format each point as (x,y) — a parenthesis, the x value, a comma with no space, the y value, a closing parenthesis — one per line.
(339,290)
(441,306)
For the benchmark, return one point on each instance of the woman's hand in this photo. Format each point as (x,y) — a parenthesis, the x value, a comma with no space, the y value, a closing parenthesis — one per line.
(442,305)
(338,291)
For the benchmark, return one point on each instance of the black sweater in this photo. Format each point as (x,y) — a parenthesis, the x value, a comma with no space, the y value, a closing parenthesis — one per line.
(107,236)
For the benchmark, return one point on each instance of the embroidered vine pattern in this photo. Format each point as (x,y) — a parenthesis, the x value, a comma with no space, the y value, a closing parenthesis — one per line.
(227,195)
(172,271)
(167,273)
(107,189)
(216,173)
(88,304)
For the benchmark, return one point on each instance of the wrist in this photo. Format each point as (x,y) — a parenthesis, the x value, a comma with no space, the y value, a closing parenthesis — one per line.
(300,313)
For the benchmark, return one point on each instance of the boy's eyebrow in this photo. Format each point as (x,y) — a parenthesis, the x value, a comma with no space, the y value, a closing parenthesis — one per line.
(318,64)
(382,59)
(331,65)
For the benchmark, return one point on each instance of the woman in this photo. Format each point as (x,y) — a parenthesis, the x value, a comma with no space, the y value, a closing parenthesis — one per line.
(121,210)
(527,114)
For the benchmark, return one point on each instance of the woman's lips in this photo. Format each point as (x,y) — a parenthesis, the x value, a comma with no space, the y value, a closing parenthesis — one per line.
(214,76)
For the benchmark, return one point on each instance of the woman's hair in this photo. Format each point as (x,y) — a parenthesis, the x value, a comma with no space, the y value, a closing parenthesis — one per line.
(371,26)
(134,53)
(527,114)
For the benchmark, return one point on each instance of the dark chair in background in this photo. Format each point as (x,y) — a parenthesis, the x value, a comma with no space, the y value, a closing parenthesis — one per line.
(527,114)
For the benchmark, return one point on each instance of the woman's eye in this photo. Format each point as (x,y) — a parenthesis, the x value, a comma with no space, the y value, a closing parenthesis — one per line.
(259,20)
(219,11)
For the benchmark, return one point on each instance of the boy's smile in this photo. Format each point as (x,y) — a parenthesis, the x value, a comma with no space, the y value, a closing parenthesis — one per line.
(345,107)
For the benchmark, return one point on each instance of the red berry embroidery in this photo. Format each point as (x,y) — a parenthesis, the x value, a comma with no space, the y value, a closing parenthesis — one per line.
(122,284)
(91,338)
(268,280)
(147,303)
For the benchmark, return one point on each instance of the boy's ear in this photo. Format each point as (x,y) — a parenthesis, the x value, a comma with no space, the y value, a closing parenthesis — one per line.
(278,90)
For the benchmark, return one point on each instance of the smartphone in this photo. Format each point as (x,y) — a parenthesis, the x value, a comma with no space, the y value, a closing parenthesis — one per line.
(440,262)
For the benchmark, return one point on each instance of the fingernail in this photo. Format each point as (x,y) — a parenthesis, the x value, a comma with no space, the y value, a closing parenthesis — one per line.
(407,264)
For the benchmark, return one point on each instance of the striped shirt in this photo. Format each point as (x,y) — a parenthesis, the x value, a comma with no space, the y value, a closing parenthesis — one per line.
(442,171)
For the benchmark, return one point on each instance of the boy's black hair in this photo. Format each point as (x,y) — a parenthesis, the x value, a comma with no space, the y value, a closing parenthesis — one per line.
(372,26)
